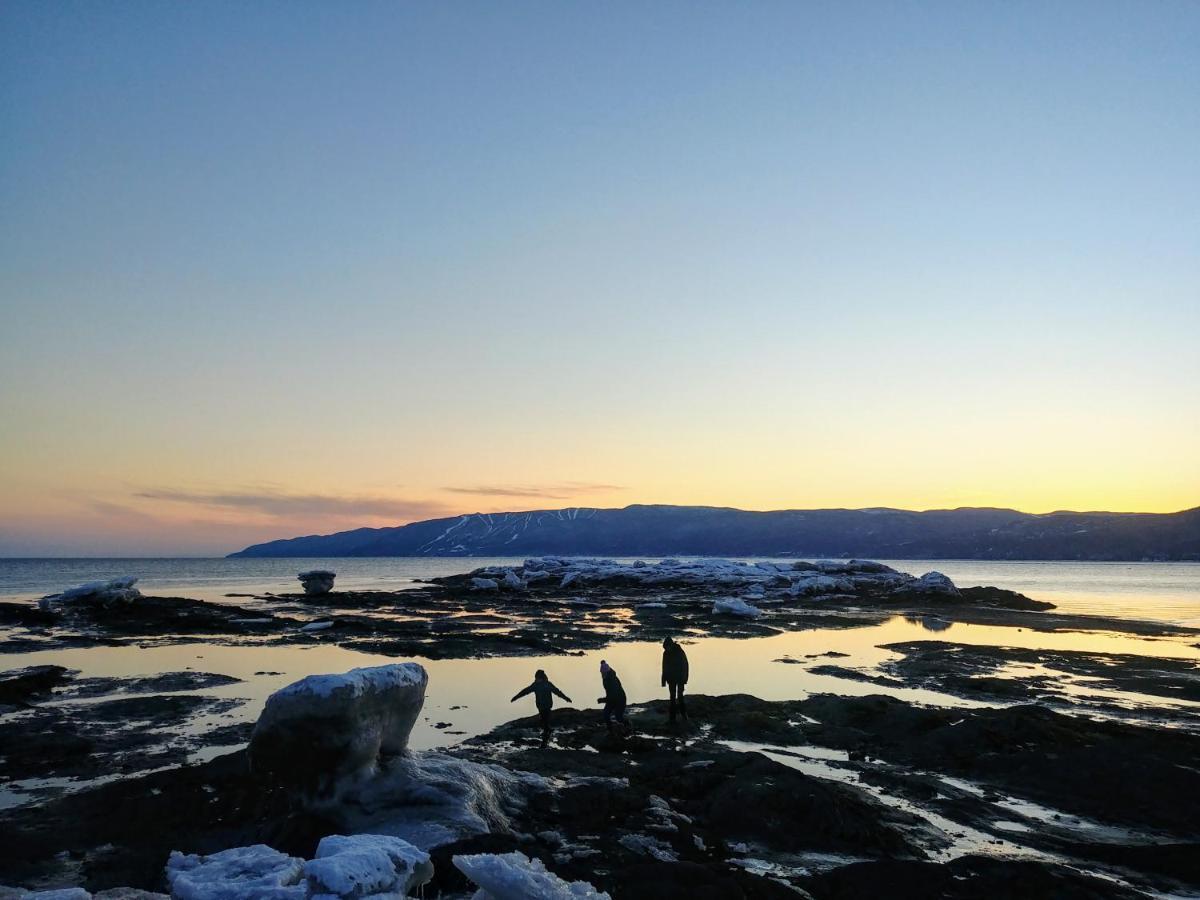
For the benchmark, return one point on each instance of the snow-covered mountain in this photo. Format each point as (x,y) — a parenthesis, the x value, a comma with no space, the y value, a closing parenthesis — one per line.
(966,533)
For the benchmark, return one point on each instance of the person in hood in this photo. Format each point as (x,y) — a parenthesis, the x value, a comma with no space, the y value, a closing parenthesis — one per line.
(675,676)
(543,691)
(613,699)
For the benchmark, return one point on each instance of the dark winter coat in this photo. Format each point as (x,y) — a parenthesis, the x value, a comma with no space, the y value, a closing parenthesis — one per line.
(614,693)
(674,665)
(542,690)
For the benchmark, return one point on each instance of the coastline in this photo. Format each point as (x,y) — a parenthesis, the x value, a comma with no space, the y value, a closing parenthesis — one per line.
(923,653)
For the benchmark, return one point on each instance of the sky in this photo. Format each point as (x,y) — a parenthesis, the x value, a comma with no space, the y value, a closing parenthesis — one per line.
(287,268)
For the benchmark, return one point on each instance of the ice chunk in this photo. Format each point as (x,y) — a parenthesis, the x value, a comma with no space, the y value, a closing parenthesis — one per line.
(935,583)
(345,723)
(364,865)
(317,581)
(820,584)
(257,872)
(430,799)
(514,876)
(513,582)
(485,584)
(735,606)
(102,593)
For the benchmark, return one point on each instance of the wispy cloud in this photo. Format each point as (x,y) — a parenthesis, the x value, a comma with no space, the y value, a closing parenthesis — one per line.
(562,491)
(284,505)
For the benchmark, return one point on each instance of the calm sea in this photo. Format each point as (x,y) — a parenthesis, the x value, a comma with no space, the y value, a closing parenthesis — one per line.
(1168,592)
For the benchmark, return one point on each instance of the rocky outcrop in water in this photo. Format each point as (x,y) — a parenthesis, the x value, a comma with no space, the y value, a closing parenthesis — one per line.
(317,582)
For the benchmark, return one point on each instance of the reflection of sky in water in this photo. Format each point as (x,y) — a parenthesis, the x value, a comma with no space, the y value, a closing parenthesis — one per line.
(482,687)
(1164,591)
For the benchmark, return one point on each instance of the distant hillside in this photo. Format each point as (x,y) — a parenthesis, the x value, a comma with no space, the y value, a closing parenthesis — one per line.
(965,533)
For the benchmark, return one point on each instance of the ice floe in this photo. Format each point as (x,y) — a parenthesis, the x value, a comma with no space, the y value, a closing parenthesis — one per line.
(514,876)
(765,580)
(350,867)
(240,873)
(103,593)
(735,606)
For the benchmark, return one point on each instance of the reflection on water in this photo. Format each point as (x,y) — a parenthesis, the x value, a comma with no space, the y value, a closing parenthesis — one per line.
(929,623)
(473,695)
(1168,592)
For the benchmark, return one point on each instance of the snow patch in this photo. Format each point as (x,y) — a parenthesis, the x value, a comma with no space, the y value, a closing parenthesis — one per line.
(735,606)
(102,593)
(257,872)
(514,876)
(366,865)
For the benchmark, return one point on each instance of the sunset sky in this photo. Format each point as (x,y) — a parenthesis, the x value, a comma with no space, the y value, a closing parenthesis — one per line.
(273,269)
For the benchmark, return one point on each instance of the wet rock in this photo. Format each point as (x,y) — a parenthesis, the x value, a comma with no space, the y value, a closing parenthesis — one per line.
(317,582)
(26,614)
(149,684)
(695,881)
(171,616)
(23,686)
(1002,599)
(90,740)
(748,797)
(964,669)
(1114,772)
(965,878)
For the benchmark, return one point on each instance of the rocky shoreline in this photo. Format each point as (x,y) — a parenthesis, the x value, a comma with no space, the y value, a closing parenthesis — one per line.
(1063,772)
(549,606)
(828,795)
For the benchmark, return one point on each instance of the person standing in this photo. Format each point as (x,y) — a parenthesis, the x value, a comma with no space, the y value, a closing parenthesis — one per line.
(675,675)
(613,699)
(543,691)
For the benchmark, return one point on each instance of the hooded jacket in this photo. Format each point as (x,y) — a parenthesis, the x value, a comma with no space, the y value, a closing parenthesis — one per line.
(674,665)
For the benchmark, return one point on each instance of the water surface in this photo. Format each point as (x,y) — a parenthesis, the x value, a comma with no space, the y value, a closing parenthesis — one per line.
(1167,592)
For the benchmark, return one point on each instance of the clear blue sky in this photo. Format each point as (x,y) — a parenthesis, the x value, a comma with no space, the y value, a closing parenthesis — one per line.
(277,267)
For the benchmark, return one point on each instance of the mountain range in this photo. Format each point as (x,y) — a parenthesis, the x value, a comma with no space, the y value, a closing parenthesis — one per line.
(655,530)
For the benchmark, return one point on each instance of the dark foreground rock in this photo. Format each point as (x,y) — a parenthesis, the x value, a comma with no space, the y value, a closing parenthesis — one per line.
(104,727)
(840,799)
(966,878)
(971,669)
(19,687)
(1117,773)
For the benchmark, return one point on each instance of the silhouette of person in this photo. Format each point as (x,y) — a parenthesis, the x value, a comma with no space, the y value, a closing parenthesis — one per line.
(543,691)
(613,699)
(675,675)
